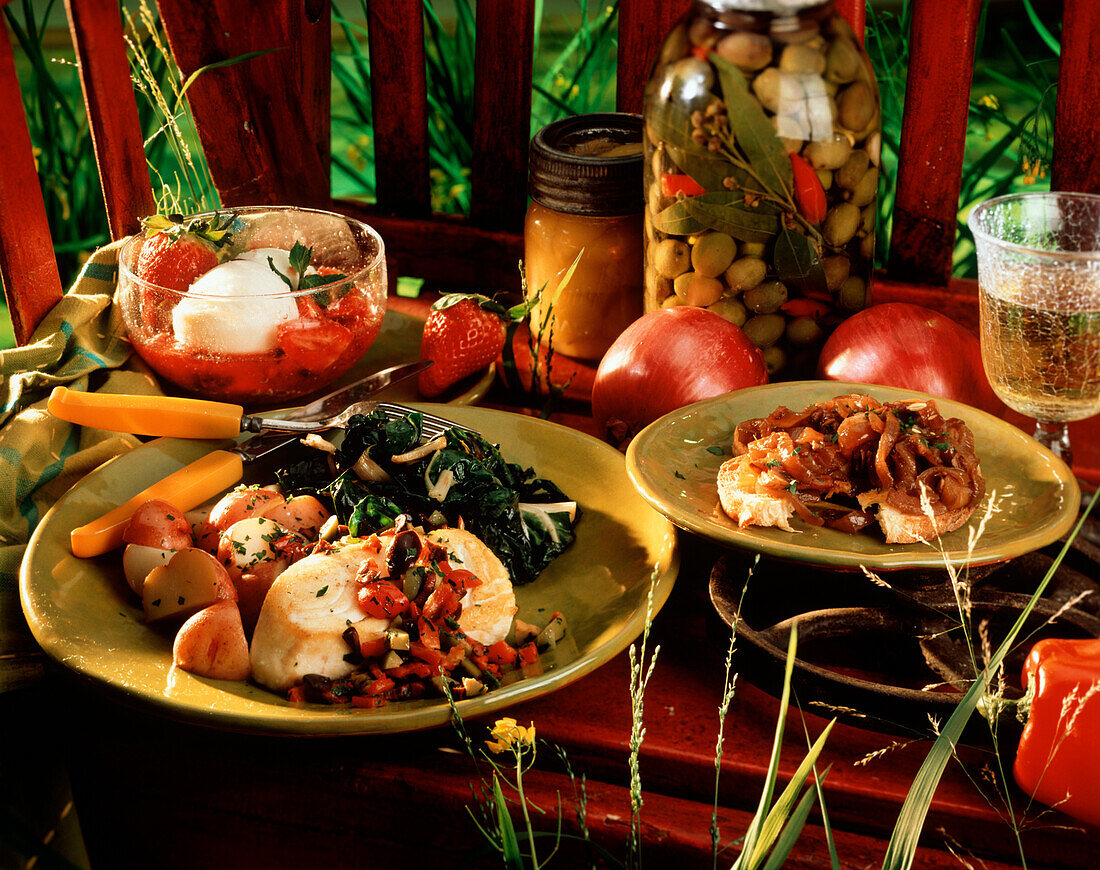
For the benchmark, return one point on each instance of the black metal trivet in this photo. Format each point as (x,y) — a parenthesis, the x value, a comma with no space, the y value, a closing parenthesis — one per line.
(889,653)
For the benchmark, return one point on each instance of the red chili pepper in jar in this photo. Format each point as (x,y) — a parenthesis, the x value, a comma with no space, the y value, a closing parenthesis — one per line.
(808,192)
(672,184)
(1057,761)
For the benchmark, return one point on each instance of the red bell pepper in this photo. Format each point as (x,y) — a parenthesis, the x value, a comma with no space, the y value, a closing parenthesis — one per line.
(808,192)
(1057,761)
(672,184)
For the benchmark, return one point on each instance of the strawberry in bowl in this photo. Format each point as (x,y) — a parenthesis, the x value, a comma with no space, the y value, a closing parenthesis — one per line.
(254,305)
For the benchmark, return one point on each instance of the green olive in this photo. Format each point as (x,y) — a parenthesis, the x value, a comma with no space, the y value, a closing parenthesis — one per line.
(753,249)
(672,301)
(856,106)
(657,289)
(804,330)
(731,309)
(766,298)
(853,294)
(766,88)
(867,246)
(791,30)
(837,269)
(841,62)
(828,153)
(867,219)
(840,225)
(675,46)
(854,168)
(873,145)
(747,51)
(657,201)
(825,176)
(672,257)
(681,283)
(775,359)
(802,60)
(746,273)
(702,32)
(712,254)
(764,330)
(659,161)
(704,291)
(651,234)
(865,192)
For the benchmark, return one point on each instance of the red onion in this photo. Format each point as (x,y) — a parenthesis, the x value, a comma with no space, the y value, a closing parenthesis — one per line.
(901,345)
(668,359)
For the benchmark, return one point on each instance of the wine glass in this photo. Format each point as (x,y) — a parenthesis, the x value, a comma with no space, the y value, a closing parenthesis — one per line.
(1039,294)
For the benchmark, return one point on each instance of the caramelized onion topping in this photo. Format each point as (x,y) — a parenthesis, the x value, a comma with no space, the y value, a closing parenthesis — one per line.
(854,445)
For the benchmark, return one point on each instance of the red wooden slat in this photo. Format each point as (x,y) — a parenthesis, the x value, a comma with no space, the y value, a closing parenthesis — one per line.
(399,103)
(933,134)
(1077,112)
(27,263)
(502,112)
(96,27)
(643,24)
(263,122)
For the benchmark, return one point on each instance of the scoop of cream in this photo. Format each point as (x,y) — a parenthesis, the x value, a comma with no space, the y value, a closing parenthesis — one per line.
(247,323)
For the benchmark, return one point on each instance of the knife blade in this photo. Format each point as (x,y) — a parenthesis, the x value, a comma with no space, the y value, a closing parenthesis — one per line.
(220,469)
(178,417)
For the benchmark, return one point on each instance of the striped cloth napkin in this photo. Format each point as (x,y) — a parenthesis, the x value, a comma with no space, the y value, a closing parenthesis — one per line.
(81,344)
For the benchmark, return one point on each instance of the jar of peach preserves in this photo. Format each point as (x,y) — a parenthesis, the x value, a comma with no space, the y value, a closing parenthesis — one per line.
(586,213)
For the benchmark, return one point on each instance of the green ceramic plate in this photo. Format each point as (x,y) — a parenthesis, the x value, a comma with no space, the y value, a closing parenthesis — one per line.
(672,465)
(84,616)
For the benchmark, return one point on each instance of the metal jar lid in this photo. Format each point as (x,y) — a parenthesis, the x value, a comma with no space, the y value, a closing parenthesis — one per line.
(589,165)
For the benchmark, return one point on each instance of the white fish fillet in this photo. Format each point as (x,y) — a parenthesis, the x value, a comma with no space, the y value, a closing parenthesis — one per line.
(304,616)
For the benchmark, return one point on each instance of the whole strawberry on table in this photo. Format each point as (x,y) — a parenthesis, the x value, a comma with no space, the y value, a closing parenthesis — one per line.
(464,334)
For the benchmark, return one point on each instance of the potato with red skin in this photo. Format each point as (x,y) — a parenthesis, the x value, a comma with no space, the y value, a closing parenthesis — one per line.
(192,580)
(158,524)
(212,644)
(303,514)
(252,588)
(241,503)
(207,536)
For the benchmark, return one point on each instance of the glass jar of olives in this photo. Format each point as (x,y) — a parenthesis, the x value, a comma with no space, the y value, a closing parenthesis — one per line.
(762,165)
(584,224)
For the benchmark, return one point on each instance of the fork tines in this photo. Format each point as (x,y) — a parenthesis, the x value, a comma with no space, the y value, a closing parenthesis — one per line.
(432,426)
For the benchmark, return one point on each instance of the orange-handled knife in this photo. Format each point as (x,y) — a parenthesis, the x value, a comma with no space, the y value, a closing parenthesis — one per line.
(217,471)
(147,415)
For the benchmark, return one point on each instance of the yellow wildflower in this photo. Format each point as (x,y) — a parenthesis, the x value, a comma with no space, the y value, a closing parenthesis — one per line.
(509,734)
(990,102)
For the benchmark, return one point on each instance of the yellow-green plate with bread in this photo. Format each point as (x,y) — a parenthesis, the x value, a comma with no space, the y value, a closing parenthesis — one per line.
(1031,497)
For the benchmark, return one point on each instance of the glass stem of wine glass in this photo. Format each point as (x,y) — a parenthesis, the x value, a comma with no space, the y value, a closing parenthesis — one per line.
(1054,435)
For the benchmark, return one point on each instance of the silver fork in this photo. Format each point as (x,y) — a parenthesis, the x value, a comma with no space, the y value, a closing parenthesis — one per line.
(432,425)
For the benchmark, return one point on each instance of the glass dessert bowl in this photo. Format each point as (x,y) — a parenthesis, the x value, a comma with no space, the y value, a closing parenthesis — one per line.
(253,305)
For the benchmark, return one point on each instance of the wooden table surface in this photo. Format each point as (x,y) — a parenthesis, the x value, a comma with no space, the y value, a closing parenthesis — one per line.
(153,792)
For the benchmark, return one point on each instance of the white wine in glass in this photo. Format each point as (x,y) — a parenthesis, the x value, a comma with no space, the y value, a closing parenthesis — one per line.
(1039,288)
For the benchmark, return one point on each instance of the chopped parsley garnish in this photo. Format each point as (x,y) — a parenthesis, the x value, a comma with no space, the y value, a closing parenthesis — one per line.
(680,476)
(717,451)
(322,591)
